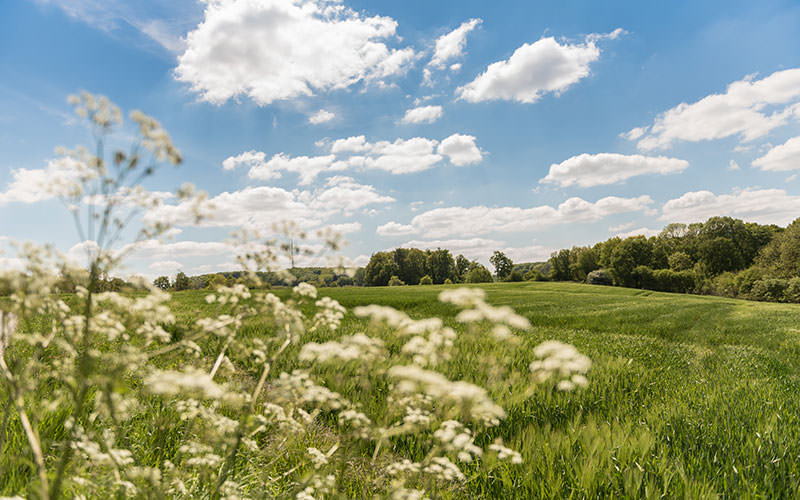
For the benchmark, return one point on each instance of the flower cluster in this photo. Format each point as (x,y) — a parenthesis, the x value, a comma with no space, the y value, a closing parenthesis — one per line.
(561,361)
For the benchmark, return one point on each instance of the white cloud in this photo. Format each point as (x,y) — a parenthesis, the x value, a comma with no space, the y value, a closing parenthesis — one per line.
(395,229)
(781,158)
(534,70)
(307,168)
(355,144)
(642,231)
(481,249)
(273,50)
(765,206)
(634,133)
(748,109)
(345,228)
(321,116)
(165,266)
(478,220)
(621,227)
(732,165)
(451,45)
(260,207)
(422,114)
(587,170)
(40,184)
(460,150)
(405,156)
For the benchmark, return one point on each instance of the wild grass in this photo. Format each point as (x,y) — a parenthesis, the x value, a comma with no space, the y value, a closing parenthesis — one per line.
(689,396)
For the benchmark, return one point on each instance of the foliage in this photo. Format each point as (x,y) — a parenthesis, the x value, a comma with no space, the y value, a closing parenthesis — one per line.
(181,282)
(162,283)
(426,280)
(479,274)
(599,277)
(502,264)
(395,281)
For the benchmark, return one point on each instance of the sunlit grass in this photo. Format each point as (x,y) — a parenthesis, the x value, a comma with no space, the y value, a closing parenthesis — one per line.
(689,396)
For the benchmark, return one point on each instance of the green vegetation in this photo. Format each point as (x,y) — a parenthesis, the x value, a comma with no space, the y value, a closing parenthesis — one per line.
(722,256)
(688,397)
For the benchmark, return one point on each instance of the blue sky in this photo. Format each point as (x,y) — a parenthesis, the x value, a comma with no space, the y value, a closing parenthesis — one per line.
(475,126)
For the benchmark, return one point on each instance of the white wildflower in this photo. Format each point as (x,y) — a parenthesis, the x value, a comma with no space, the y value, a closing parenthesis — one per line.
(505,454)
(443,469)
(354,347)
(305,290)
(456,438)
(317,457)
(562,361)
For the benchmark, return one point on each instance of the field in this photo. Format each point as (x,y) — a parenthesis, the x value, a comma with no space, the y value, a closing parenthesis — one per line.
(689,396)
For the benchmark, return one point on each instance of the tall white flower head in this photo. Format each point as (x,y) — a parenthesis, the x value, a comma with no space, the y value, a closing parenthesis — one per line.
(561,361)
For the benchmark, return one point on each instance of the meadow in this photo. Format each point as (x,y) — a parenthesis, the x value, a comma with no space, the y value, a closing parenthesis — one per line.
(688,396)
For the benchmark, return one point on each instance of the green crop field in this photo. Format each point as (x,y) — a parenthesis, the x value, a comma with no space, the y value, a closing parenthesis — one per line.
(689,396)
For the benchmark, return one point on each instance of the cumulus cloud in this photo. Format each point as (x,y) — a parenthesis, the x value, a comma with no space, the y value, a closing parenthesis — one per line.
(404,156)
(271,50)
(460,150)
(307,168)
(321,116)
(765,206)
(32,185)
(479,220)
(781,158)
(481,249)
(588,170)
(395,229)
(259,207)
(642,231)
(535,69)
(165,266)
(451,45)
(748,109)
(422,114)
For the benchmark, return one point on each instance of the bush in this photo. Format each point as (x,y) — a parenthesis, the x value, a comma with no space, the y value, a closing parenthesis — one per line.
(599,277)
(448,281)
(746,279)
(395,281)
(426,280)
(770,290)
(515,276)
(792,292)
(667,280)
(643,278)
(534,275)
(724,285)
(479,274)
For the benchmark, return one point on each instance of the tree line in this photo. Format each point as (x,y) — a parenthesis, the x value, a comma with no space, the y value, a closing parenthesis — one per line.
(721,256)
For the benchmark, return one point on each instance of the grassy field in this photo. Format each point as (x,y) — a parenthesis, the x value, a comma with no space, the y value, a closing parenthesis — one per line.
(689,396)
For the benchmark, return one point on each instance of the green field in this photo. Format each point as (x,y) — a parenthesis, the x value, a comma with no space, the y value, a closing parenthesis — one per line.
(689,396)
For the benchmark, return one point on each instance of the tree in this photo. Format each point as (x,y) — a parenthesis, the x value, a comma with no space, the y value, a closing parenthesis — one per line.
(502,264)
(441,266)
(217,280)
(478,274)
(720,254)
(411,266)
(426,280)
(161,282)
(629,254)
(181,281)
(680,261)
(559,265)
(380,269)
(462,266)
(395,281)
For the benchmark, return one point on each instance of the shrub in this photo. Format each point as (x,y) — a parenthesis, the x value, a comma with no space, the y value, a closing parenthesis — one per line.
(448,281)
(792,292)
(395,281)
(479,274)
(515,276)
(426,280)
(770,290)
(599,277)
(667,280)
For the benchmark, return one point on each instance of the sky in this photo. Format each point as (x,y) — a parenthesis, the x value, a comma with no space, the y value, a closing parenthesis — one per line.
(475,126)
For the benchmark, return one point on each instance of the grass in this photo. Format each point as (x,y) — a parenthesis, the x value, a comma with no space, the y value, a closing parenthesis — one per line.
(689,396)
